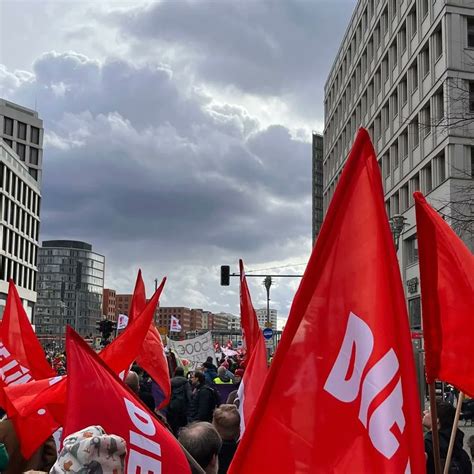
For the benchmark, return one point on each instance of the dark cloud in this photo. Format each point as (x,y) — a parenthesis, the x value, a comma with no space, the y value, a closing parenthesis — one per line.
(265,48)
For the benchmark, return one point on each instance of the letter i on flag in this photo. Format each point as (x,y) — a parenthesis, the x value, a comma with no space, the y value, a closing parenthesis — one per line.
(447,288)
(256,370)
(96,396)
(341,394)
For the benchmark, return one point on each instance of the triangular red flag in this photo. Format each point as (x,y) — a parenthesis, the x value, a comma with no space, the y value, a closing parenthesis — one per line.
(256,370)
(248,318)
(447,297)
(138,302)
(341,393)
(97,397)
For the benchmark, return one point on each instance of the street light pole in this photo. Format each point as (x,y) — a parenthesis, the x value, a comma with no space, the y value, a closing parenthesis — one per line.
(397,224)
(268,283)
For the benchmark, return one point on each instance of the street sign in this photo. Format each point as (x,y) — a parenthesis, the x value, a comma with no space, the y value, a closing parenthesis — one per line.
(239,344)
(268,333)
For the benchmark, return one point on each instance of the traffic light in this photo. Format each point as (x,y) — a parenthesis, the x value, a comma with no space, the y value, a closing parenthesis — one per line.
(225,275)
(106,327)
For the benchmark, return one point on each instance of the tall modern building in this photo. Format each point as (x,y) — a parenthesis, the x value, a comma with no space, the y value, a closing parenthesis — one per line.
(70,285)
(22,130)
(318,157)
(405,71)
(262,317)
(19,228)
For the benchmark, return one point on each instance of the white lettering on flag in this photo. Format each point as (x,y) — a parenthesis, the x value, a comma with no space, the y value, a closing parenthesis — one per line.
(359,340)
(11,372)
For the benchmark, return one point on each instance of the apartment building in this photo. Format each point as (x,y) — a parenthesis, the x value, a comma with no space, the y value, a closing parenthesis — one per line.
(19,228)
(405,71)
(262,317)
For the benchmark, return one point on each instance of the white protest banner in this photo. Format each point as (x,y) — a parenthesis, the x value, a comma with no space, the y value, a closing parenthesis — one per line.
(122,321)
(174,324)
(195,350)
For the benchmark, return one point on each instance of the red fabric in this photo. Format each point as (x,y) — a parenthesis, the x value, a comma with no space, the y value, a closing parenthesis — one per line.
(248,319)
(325,406)
(447,288)
(118,355)
(97,397)
(138,302)
(22,359)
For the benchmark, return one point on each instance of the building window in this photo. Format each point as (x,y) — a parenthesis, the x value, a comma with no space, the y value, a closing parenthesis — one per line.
(472,161)
(8,142)
(394,53)
(425,60)
(403,91)
(20,151)
(426,119)
(439,105)
(413,20)
(470,32)
(427,179)
(440,162)
(471,96)
(403,39)
(33,172)
(438,43)
(414,75)
(424,8)
(404,198)
(403,144)
(21,132)
(411,248)
(394,155)
(415,132)
(34,156)
(414,312)
(8,126)
(35,135)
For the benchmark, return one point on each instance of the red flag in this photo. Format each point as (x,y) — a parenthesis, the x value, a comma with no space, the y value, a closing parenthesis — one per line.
(447,289)
(118,355)
(97,397)
(341,392)
(138,299)
(256,370)
(248,319)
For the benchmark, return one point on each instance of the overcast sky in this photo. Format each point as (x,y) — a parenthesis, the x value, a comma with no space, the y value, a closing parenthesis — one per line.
(177,133)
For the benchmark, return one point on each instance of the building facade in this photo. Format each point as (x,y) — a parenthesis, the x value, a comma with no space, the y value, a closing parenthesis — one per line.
(19,228)
(109,304)
(22,130)
(318,209)
(70,286)
(405,71)
(262,317)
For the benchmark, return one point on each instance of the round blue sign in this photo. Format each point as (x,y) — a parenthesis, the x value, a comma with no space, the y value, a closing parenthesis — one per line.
(268,333)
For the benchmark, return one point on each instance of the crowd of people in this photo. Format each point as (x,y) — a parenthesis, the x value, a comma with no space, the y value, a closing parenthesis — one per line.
(206,425)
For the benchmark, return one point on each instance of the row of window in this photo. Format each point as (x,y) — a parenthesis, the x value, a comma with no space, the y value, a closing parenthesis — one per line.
(19,218)
(23,276)
(13,185)
(21,130)
(393,104)
(387,17)
(30,154)
(14,244)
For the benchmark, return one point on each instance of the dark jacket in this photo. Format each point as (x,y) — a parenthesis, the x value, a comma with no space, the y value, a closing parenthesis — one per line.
(177,413)
(210,374)
(459,455)
(203,402)
(226,454)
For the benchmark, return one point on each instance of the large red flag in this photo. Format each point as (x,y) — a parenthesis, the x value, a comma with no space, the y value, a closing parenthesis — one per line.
(248,319)
(447,296)
(341,393)
(50,397)
(97,397)
(138,298)
(256,370)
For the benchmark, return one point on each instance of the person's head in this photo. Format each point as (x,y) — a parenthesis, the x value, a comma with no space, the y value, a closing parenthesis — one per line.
(209,360)
(221,371)
(207,366)
(203,442)
(226,420)
(132,381)
(198,378)
(179,372)
(445,412)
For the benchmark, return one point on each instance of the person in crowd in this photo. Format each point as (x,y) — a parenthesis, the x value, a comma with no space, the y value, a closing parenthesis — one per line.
(228,373)
(470,445)
(210,360)
(203,400)
(91,450)
(460,461)
(203,442)
(133,382)
(181,394)
(226,421)
(210,372)
(222,376)
(239,373)
(42,460)
(233,398)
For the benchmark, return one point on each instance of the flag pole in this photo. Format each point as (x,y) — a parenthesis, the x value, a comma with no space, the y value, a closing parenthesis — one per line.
(453,433)
(434,429)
